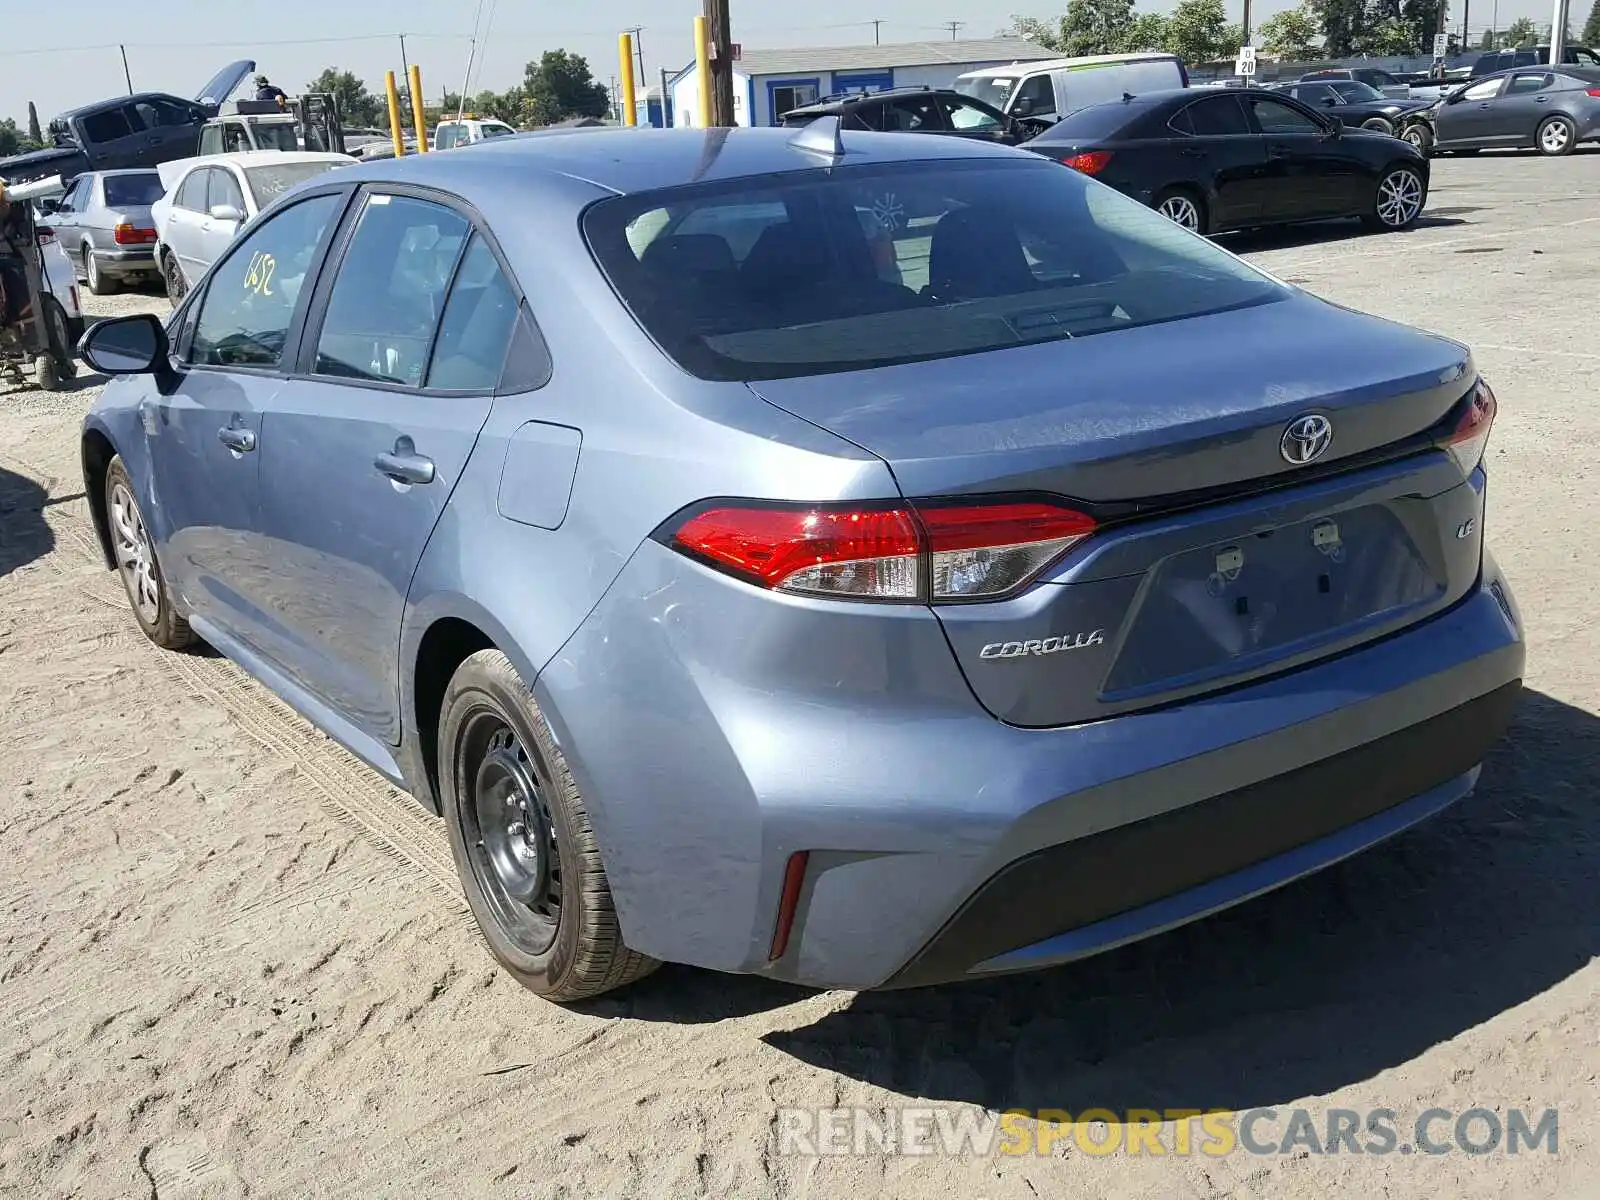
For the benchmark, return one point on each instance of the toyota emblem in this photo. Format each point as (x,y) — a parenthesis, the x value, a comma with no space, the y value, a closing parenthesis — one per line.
(1306,439)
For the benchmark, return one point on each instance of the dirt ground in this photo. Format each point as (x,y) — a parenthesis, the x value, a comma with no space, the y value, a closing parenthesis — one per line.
(234,962)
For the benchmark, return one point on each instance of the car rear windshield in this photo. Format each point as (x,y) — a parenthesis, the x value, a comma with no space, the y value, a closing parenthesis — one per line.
(268,183)
(132,191)
(823,271)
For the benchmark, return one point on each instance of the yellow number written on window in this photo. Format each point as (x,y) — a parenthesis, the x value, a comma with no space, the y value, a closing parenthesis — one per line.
(258,278)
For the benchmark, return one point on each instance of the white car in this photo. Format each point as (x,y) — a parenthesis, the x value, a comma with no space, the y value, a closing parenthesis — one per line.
(210,198)
(451,134)
(61,281)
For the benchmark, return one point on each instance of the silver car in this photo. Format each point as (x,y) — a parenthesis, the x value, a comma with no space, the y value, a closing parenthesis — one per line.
(104,224)
(208,199)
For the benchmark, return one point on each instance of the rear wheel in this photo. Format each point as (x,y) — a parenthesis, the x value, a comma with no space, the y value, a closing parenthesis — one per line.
(135,552)
(1183,207)
(99,282)
(61,345)
(1397,203)
(1556,136)
(172,276)
(524,848)
(1378,125)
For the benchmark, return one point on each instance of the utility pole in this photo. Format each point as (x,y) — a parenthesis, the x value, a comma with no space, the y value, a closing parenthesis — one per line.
(405,73)
(952,26)
(1244,26)
(666,115)
(638,49)
(126,74)
(875,26)
(1466,15)
(1558,32)
(718,21)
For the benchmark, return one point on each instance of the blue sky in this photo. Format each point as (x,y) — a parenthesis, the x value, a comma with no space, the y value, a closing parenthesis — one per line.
(59,63)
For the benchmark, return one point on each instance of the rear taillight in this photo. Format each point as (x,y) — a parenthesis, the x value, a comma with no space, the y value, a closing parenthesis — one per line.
(133,235)
(44,236)
(1471,436)
(1091,162)
(936,552)
(1595,92)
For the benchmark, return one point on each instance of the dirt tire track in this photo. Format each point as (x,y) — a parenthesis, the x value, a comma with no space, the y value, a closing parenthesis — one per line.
(350,791)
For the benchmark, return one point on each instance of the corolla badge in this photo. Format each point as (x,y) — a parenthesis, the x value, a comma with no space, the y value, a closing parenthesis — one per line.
(1306,439)
(1049,645)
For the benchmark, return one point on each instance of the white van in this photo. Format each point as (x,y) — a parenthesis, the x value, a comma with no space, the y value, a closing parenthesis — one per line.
(1049,90)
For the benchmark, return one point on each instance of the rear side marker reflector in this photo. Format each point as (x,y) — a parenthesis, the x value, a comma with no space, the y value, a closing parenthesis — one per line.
(906,553)
(794,877)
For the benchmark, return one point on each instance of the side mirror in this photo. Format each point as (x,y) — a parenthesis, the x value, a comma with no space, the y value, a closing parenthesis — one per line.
(226,212)
(134,345)
(1329,102)
(1338,127)
(1023,107)
(49,207)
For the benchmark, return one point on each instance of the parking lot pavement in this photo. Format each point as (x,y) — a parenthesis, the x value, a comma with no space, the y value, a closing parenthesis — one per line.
(233,960)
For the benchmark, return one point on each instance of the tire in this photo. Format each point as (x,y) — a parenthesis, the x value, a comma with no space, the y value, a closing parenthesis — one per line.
(172,276)
(1184,206)
(1378,125)
(536,885)
(1397,200)
(45,377)
(1419,135)
(97,280)
(1556,136)
(138,568)
(61,340)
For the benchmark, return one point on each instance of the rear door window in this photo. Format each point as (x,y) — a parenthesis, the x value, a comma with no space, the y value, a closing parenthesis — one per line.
(919,114)
(1217,116)
(107,125)
(386,302)
(1525,83)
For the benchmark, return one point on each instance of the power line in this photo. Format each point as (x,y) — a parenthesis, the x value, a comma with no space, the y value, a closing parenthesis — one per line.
(364,37)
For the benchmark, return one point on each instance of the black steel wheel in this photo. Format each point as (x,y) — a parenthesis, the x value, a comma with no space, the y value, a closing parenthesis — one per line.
(525,851)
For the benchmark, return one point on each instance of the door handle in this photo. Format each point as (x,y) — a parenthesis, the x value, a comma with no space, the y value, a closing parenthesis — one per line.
(1541,99)
(241,440)
(1485,104)
(1192,153)
(405,467)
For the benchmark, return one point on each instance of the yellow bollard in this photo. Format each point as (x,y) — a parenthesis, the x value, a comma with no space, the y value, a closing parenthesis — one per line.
(702,68)
(630,108)
(394,114)
(418,114)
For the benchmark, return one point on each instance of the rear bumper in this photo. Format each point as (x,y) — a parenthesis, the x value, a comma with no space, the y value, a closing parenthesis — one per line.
(126,260)
(713,736)
(1081,897)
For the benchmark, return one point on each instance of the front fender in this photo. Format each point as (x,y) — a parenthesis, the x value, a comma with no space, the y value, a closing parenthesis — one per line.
(123,433)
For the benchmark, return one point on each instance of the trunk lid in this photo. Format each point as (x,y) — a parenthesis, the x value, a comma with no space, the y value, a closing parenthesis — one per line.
(1217,560)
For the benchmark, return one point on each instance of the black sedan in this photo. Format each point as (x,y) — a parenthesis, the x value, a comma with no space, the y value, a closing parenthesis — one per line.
(916,110)
(1358,104)
(1238,158)
(1550,110)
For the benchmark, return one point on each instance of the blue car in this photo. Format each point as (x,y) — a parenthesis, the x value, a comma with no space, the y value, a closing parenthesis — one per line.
(865,560)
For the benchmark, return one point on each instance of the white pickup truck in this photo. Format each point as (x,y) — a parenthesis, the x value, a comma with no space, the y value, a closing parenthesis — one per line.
(466,131)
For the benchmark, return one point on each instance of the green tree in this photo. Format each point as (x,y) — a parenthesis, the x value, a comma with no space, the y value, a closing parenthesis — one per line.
(12,140)
(357,106)
(1149,32)
(1591,27)
(1198,31)
(1488,40)
(1521,33)
(559,86)
(36,136)
(1292,34)
(1087,27)
(1343,23)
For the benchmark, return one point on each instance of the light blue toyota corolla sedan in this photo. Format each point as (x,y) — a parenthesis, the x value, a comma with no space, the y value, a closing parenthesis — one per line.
(867,561)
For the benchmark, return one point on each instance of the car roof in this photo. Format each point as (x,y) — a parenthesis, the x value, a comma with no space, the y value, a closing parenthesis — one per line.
(629,160)
(1060,64)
